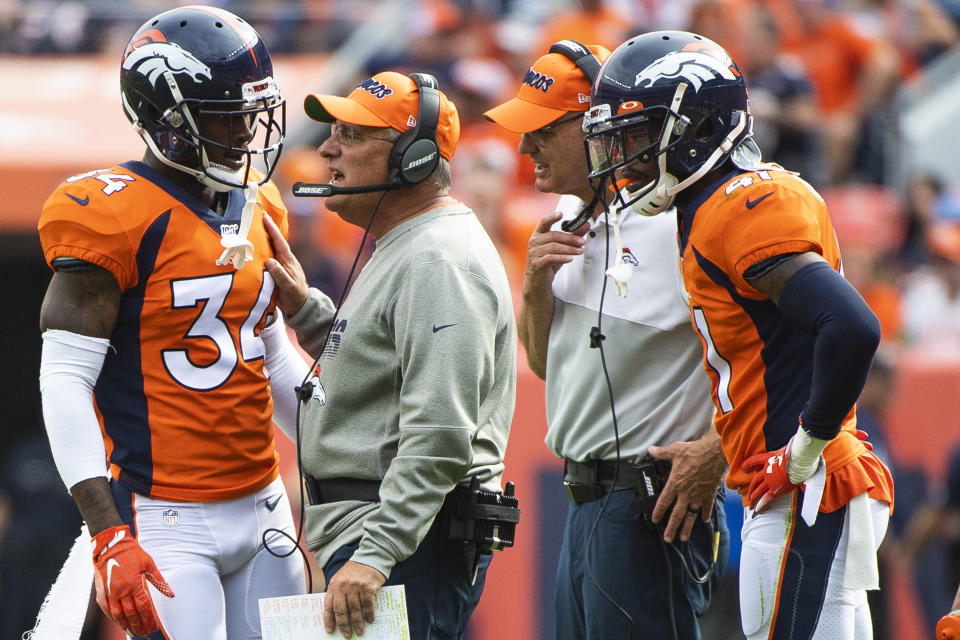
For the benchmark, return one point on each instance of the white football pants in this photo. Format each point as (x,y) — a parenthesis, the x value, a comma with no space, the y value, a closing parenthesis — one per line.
(795,581)
(212,556)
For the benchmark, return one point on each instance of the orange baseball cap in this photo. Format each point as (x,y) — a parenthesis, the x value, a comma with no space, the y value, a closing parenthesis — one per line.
(388,99)
(553,86)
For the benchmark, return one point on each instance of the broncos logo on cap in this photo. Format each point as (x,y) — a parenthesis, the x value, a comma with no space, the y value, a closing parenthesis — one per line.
(155,58)
(693,66)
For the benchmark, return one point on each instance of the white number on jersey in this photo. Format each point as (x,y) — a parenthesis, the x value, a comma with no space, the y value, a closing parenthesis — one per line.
(113,181)
(716,361)
(213,292)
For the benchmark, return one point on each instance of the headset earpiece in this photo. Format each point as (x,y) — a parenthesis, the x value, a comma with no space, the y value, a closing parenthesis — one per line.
(580,55)
(415,154)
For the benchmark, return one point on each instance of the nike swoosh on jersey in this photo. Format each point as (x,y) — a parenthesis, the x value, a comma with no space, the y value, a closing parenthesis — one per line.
(80,202)
(443,326)
(272,504)
(111,563)
(752,203)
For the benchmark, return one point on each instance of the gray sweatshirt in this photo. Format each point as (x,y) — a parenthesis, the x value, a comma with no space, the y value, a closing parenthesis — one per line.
(417,384)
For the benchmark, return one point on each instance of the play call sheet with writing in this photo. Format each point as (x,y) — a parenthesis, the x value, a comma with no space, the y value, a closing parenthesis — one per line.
(301,617)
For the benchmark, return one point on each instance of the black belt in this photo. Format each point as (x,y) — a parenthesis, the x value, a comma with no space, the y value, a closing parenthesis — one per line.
(587,481)
(341,489)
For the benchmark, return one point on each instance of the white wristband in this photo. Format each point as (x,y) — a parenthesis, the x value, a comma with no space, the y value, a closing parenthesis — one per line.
(70,364)
(287,369)
(805,453)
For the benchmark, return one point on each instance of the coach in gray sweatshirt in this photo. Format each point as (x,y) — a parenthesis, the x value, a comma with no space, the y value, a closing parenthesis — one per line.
(414,391)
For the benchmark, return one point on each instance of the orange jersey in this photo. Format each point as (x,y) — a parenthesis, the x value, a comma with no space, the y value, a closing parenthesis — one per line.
(183,400)
(761,368)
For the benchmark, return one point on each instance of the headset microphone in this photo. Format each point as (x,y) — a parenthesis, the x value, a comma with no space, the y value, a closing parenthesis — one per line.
(323,190)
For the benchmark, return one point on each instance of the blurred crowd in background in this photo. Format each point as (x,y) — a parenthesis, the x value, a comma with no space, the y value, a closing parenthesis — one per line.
(829,81)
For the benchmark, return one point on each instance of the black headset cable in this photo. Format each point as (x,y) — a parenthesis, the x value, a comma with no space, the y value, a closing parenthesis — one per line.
(304,390)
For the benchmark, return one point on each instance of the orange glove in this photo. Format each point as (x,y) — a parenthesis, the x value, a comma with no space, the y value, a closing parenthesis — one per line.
(770,478)
(948,628)
(121,568)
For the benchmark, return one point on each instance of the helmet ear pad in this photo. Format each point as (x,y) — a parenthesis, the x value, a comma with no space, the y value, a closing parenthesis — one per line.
(415,154)
(174,141)
(704,133)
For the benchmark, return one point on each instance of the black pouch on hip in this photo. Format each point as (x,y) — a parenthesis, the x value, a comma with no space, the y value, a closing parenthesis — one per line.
(649,477)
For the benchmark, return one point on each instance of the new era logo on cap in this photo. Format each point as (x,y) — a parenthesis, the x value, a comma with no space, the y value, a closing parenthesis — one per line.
(553,86)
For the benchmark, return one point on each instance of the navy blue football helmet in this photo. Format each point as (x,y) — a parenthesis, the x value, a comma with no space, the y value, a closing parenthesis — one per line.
(667,107)
(192,66)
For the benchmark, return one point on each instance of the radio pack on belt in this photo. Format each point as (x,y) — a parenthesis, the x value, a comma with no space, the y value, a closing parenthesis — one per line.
(481,521)
(478,520)
(649,477)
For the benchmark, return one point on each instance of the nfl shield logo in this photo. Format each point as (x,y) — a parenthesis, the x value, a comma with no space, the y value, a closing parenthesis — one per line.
(171,518)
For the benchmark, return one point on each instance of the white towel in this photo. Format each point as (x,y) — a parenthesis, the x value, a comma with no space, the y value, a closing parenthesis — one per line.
(64,609)
(860,569)
(813,493)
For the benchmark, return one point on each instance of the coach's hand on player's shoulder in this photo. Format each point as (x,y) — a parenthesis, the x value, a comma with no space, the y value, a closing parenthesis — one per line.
(123,569)
(292,287)
(696,473)
(548,250)
(350,599)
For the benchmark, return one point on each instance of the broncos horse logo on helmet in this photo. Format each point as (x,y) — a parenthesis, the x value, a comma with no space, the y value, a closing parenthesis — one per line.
(155,58)
(667,108)
(693,66)
(197,61)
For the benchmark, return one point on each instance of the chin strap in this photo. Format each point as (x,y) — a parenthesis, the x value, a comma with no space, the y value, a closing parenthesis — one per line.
(237,249)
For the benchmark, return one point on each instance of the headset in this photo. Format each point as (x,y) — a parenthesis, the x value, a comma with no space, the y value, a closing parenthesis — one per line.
(580,55)
(588,63)
(414,156)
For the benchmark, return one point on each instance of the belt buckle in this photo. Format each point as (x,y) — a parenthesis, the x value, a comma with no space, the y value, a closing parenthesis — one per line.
(579,492)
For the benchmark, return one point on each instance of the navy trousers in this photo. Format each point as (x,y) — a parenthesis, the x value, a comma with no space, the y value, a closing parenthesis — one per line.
(647,588)
(440,597)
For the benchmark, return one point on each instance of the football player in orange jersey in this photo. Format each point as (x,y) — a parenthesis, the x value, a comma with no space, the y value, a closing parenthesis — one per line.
(159,328)
(785,336)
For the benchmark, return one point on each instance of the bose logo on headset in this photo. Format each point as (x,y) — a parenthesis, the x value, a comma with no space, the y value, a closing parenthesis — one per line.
(419,161)
(415,154)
